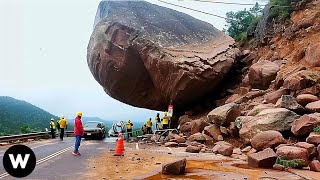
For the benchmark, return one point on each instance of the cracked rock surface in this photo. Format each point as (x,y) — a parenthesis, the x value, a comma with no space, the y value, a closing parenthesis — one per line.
(145,55)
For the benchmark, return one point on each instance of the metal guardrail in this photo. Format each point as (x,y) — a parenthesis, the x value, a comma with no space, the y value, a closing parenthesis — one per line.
(22,136)
(29,136)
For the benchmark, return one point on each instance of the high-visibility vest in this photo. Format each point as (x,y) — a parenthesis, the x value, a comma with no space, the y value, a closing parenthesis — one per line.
(52,125)
(149,123)
(63,123)
(129,125)
(165,120)
(157,119)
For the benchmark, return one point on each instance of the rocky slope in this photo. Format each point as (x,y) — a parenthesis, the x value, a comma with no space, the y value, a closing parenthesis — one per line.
(146,55)
(272,113)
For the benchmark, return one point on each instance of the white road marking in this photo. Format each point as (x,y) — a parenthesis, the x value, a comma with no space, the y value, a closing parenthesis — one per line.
(54,155)
(3,175)
(137,146)
(169,149)
(44,159)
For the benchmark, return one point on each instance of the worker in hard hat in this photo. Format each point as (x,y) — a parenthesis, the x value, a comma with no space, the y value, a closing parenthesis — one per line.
(144,129)
(165,120)
(52,128)
(149,126)
(63,123)
(157,120)
(129,126)
(78,132)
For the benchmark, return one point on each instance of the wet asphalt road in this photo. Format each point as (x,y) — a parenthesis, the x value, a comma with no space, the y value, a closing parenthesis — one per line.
(55,161)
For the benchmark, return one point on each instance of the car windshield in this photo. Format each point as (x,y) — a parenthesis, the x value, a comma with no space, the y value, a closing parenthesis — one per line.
(92,125)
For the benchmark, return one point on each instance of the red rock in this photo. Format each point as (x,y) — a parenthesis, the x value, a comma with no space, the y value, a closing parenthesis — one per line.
(293,153)
(224,114)
(222,147)
(267,139)
(181,140)
(305,124)
(224,131)
(265,158)
(147,55)
(314,106)
(311,90)
(198,125)
(305,99)
(186,128)
(183,145)
(315,166)
(233,130)
(296,81)
(313,138)
(213,131)
(318,149)
(183,119)
(175,168)
(171,144)
(209,140)
(197,137)
(257,109)
(313,55)
(273,97)
(193,149)
(252,150)
(309,147)
(262,73)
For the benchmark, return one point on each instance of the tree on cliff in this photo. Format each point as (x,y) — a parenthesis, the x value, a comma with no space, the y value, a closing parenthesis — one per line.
(239,22)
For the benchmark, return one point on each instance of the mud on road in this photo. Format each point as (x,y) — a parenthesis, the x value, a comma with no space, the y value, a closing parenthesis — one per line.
(145,162)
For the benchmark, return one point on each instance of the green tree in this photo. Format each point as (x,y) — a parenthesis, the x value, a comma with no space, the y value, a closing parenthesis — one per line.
(238,23)
(280,9)
(25,129)
(256,10)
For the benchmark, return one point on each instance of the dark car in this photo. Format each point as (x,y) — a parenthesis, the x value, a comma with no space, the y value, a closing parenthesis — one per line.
(94,129)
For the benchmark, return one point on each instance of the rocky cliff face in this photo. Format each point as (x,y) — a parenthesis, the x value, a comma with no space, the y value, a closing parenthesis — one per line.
(146,55)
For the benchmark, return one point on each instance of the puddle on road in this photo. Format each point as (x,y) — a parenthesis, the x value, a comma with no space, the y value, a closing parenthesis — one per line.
(214,170)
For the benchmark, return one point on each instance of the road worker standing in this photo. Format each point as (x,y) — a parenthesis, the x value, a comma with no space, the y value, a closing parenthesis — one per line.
(53,128)
(144,129)
(165,120)
(157,120)
(129,128)
(78,132)
(149,126)
(63,125)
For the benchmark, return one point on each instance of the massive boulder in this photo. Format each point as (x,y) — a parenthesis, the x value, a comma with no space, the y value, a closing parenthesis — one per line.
(146,55)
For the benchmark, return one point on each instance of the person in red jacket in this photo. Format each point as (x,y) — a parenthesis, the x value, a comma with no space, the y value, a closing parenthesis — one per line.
(78,132)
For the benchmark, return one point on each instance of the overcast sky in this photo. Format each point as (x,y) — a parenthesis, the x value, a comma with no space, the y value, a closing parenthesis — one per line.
(43,46)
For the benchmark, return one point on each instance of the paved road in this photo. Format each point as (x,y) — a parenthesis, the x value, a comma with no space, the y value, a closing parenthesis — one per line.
(55,161)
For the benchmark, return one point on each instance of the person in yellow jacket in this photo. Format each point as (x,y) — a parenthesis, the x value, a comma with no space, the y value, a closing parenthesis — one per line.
(149,126)
(165,121)
(157,120)
(52,128)
(129,126)
(63,123)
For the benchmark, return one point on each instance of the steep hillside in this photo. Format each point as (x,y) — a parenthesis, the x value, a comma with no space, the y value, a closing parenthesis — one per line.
(16,114)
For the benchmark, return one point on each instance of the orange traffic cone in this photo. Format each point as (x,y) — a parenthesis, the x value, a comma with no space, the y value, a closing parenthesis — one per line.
(120,146)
